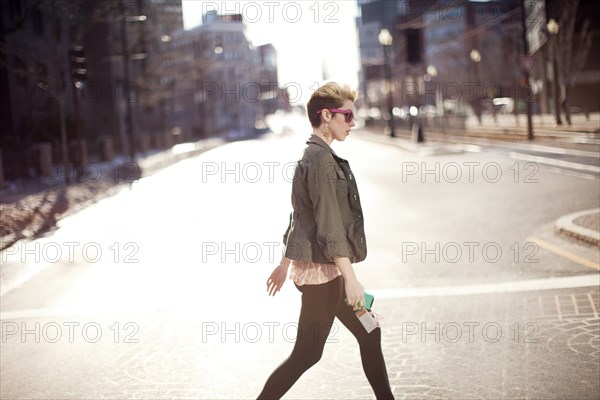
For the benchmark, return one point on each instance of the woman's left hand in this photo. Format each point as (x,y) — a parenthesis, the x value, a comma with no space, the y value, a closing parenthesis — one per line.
(276,280)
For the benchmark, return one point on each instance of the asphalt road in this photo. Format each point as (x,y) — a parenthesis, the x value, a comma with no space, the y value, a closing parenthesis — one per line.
(159,291)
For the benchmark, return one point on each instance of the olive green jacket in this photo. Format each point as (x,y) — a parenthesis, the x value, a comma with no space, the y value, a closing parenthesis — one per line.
(327,220)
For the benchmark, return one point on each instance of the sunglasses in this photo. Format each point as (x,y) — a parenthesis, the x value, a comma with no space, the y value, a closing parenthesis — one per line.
(348,114)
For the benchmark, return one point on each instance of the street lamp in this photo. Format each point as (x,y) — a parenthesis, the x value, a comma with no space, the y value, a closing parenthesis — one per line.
(553,28)
(430,76)
(475,57)
(386,40)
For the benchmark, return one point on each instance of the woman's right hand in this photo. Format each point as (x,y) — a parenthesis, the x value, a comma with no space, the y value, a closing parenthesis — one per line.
(277,279)
(355,294)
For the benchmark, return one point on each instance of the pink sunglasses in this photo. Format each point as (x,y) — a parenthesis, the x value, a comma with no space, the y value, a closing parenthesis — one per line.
(348,114)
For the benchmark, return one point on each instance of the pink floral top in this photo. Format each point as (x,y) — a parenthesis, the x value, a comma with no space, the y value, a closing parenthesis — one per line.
(311,273)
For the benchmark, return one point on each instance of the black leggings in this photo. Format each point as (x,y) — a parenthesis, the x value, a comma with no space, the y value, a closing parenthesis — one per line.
(320,305)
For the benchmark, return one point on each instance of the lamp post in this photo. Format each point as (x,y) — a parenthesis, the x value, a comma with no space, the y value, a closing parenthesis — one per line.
(129,126)
(386,40)
(525,69)
(475,57)
(553,28)
(78,78)
(430,76)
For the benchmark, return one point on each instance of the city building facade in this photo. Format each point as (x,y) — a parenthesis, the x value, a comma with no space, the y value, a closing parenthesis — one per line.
(90,81)
(467,57)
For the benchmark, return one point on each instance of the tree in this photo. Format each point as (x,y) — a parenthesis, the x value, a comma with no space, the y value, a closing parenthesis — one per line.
(573,49)
(35,41)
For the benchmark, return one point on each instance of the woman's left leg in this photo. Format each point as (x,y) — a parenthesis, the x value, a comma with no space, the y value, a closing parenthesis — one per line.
(319,305)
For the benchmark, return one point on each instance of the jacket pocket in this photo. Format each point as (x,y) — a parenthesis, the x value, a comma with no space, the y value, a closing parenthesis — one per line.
(341,188)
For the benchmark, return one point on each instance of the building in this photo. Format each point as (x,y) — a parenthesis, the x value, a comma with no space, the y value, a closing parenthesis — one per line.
(93,80)
(375,15)
(272,98)
(47,109)
(577,55)
(446,54)
(455,60)
(210,78)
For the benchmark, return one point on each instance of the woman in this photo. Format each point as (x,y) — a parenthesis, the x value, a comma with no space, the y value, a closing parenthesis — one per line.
(324,237)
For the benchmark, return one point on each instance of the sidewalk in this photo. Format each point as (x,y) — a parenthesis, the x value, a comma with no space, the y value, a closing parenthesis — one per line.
(583,135)
(36,208)
(545,123)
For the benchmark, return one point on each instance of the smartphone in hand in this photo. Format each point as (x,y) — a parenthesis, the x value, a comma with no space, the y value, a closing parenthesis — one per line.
(369,299)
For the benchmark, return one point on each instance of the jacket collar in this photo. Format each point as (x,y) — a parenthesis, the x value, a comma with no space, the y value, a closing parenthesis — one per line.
(320,142)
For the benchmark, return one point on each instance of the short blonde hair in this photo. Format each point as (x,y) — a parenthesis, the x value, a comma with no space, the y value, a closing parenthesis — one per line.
(330,95)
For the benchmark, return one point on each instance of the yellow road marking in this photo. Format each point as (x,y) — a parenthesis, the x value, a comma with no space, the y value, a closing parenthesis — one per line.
(563,253)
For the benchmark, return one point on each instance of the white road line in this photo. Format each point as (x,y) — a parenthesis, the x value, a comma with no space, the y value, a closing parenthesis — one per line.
(486,288)
(578,281)
(568,172)
(554,162)
(471,148)
(527,146)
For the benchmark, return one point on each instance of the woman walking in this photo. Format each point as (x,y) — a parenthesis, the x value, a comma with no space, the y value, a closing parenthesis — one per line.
(325,236)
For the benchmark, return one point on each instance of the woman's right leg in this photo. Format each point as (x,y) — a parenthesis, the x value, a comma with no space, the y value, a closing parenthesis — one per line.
(319,306)
(371,353)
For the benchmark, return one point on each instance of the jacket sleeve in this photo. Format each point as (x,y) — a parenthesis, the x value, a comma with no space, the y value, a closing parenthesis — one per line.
(287,231)
(322,179)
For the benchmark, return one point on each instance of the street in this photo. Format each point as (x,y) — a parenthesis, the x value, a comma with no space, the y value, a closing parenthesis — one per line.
(160,291)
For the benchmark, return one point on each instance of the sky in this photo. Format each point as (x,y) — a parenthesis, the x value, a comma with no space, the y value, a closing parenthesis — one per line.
(309,36)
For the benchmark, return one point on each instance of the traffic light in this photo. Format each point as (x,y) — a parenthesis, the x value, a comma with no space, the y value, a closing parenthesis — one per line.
(78,65)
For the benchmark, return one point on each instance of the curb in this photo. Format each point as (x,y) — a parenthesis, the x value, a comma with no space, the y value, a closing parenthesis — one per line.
(149,165)
(565,226)
(425,149)
(168,157)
